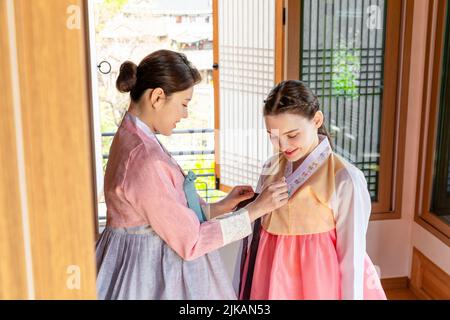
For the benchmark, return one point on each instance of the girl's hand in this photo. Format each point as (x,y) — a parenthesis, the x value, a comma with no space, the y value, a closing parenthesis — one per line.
(236,195)
(274,196)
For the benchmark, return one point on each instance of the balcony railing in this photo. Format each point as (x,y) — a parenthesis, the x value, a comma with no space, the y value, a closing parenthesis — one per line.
(200,161)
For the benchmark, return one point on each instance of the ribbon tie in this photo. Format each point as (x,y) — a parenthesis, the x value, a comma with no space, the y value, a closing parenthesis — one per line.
(191,195)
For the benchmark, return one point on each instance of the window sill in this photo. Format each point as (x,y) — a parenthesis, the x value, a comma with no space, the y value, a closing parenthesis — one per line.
(433,229)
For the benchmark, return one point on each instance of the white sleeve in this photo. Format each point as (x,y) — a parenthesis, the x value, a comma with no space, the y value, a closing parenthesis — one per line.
(352,213)
(235,225)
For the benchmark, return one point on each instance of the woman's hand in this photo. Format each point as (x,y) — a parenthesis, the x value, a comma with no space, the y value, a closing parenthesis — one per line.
(274,196)
(236,195)
(230,202)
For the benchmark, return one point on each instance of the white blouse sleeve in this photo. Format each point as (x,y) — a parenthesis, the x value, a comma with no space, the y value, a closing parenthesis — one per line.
(352,213)
(235,225)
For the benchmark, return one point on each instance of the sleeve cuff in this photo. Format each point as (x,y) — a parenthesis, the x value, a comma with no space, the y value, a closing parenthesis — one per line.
(235,225)
(206,210)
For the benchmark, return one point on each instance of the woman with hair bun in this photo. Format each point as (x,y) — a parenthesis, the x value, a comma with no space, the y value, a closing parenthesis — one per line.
(161,238)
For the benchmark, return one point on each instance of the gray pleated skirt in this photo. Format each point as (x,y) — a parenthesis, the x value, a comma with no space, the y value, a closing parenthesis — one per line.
(135,263)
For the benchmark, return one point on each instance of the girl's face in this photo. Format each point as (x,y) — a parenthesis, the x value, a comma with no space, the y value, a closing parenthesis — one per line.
(294,135)
(172,110)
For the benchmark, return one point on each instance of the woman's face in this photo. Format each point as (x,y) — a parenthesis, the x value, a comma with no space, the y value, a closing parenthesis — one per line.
(173,109)
(293,135)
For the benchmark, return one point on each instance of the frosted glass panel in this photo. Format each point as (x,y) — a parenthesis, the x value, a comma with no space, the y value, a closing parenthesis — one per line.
(247,67)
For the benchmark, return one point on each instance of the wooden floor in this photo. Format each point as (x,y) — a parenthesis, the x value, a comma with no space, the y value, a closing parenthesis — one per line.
(400,294)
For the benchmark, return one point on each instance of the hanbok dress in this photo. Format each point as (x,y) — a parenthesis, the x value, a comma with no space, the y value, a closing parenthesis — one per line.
(314,247)
(156,244)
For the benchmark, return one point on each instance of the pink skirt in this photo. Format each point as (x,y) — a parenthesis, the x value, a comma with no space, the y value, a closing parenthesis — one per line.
(303,267)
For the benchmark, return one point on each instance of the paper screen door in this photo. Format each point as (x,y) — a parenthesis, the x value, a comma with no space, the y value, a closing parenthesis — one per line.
(246,34)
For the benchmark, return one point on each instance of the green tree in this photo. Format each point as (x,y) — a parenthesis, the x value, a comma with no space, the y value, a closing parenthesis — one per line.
(106,10)
(346,70)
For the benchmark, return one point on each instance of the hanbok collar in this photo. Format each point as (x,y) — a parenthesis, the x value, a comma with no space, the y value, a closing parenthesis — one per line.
(141,125)
(310,165)
(144,128)
(149,133)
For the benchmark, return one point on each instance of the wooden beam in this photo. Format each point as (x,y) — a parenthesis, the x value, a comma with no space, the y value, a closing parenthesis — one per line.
(13,278)
(53,74)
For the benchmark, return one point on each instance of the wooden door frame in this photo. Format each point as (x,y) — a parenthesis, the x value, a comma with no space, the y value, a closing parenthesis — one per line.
(56,156)
(94,120)
(429,122)
(15,279)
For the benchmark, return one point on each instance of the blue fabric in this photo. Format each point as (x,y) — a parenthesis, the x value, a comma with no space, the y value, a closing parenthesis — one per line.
(192,196)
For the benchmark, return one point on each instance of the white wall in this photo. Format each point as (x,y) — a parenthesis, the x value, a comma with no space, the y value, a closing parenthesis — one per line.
(388,243)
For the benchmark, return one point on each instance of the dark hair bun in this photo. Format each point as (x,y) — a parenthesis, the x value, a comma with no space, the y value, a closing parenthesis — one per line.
(127,77)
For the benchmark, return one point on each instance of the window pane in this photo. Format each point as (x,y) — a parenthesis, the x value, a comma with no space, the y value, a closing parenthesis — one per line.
(441,191)
(342,60)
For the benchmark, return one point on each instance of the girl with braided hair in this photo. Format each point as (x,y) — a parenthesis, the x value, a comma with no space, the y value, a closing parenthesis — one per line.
(314,247)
